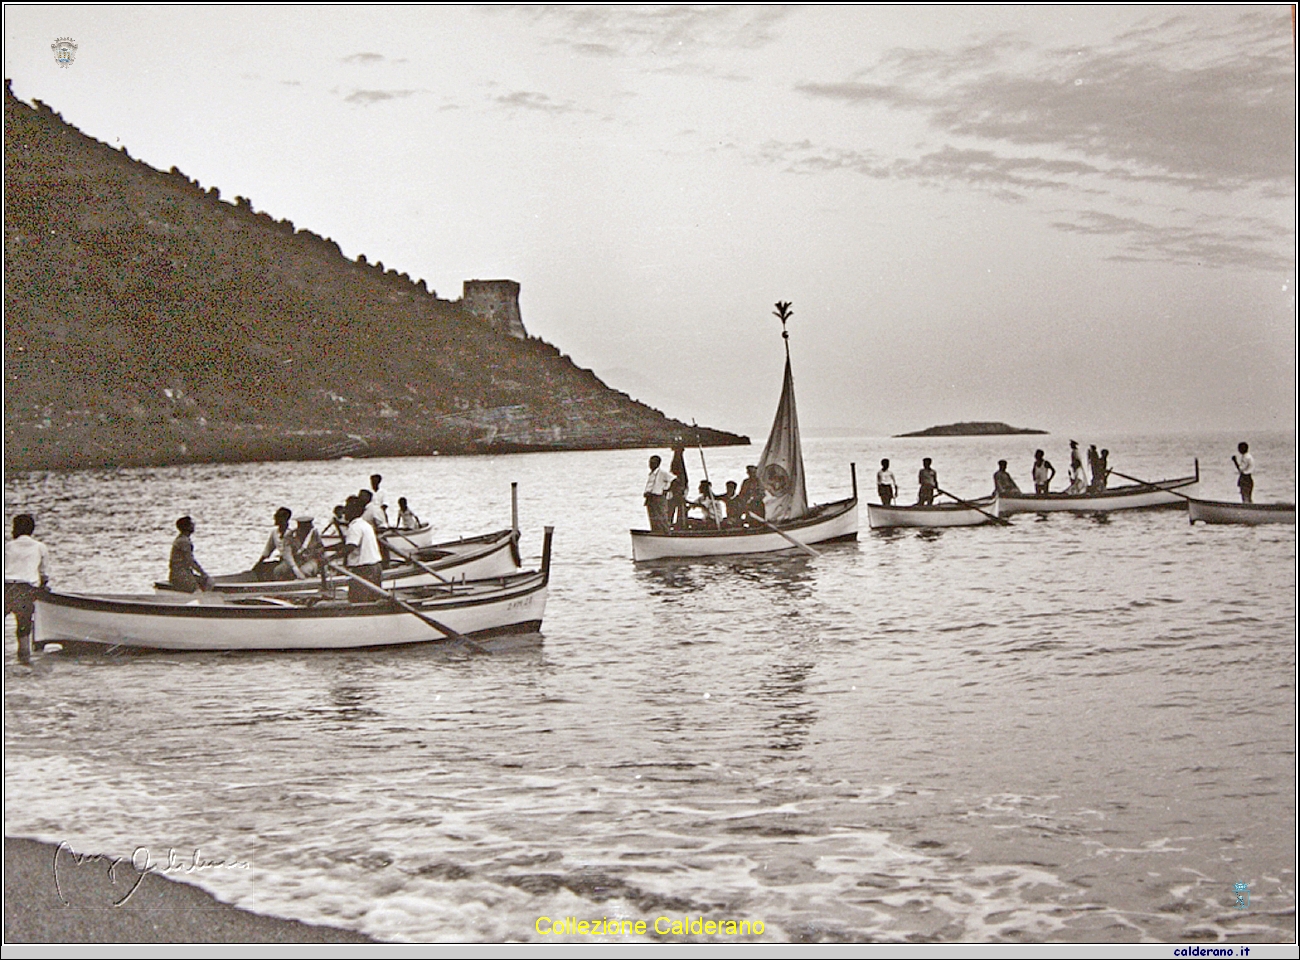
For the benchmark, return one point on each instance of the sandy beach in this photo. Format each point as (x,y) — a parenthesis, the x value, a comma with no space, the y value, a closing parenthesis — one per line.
(83,902)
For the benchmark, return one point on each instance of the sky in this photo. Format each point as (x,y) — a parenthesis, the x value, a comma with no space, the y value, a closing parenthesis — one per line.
(1072,218)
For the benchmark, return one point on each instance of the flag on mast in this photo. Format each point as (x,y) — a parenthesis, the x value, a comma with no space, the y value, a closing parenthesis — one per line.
(781,466)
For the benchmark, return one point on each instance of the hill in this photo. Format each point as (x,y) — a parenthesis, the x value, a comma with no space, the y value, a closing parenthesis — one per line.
(971,428)
(149,321)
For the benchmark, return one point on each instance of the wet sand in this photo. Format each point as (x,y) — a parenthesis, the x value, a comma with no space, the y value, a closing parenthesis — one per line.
(87,904)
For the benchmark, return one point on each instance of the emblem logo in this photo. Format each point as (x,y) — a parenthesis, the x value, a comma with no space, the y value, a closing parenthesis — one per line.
(775,479)
(65,51)
(1242,892)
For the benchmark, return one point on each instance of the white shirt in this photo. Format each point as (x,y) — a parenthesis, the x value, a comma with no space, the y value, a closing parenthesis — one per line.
(885,478)
(658,481)
(362,535)
(1246,464)
(25,559)
(375,515)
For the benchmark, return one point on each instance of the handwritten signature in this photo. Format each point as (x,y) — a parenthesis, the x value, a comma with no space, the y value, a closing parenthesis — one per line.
(142,862)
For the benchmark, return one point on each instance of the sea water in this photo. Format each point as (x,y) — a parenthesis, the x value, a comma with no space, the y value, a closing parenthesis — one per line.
(1072,728)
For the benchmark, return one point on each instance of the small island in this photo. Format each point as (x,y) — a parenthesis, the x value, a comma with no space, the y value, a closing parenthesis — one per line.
(971,428)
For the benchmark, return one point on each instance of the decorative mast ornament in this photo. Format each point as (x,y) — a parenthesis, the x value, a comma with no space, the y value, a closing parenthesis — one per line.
(783,313)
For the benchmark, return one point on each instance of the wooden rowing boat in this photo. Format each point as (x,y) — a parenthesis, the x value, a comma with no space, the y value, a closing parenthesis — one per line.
(790,522)
(469,558)
(823,523)
(214,621)
(1134,496)
(1226,511)
(881,517)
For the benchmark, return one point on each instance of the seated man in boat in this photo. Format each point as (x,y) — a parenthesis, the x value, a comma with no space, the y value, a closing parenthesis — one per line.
(752,507)
(707,512)
(280,541)
(1003,482)
(731,499)
(928,480)
(406,519)
(308,548)
(184,572)
(363,556)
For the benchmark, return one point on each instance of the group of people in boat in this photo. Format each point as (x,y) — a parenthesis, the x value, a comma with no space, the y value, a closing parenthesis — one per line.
(669,507)
(1090,479)
(300,552)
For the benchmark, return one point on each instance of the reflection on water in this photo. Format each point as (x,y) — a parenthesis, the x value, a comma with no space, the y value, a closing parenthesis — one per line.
(1063,729)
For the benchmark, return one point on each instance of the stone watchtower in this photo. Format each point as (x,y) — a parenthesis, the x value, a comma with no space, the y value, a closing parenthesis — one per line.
(496,302)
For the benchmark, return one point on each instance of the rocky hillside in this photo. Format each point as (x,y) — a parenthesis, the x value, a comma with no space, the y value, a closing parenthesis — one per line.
(149,321)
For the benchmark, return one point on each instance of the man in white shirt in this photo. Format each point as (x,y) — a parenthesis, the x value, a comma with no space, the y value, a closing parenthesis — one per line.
(363,556)
(26,571)
(377,497)
(1245,472)
(886,485)
(656,494)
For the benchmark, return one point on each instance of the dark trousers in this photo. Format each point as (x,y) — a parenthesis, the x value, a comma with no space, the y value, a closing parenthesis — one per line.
(886,494)
(373,572)
(1247,485)
(20,600)
(656,508)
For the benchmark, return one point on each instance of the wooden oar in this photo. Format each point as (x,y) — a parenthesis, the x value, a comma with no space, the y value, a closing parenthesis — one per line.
(967,503)
(1153,486)
(411,558)
(445,630)
(802,546)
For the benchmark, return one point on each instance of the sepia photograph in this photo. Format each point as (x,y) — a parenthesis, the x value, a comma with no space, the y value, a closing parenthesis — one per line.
(651,474)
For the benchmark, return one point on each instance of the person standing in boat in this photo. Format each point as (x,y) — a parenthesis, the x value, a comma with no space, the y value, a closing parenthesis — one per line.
(677,503)
(886,485)
(1078,480)
(1245,472)
(1003,482)
(657,486)
(363,556)
(280,542)
(377,497)
(751,496)
(406,518)
(184,572)
(1103,464)
(1096,470)
(26,571)
(927,479)
(1043,473)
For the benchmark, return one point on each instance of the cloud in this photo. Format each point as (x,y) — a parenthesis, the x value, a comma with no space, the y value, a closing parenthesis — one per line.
(375,96)
(528,100)
(1211,107)
(660,30)
(1243,243)
(366,58)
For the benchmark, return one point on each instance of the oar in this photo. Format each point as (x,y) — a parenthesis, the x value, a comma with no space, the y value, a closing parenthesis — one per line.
(411,558)
(445,630)
(1153,486)
(802,546)
(967,503)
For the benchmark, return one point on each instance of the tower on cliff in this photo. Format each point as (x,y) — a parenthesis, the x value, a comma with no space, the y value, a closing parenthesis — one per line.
(496,302)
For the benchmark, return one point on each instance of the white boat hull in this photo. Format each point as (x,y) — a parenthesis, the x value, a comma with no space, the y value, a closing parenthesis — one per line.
(881,517)
(1131,497)
(159,623)
(1218,511)
(832,521)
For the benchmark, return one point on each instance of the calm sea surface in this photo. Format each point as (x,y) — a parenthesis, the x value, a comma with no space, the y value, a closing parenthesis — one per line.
(1074,728)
